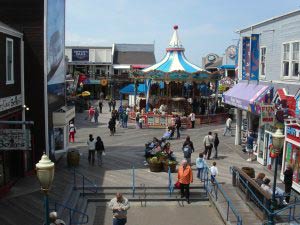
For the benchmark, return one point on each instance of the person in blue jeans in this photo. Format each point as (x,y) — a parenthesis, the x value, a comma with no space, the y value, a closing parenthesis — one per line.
(200,166)
(119,205)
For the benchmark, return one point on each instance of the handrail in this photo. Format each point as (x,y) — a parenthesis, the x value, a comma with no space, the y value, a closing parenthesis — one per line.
(219,187)
(133,181)
(71,211)
(171,185)
(84,178)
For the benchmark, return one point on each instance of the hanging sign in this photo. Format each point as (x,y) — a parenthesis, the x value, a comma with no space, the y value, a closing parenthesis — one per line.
(267,114)
(15,139)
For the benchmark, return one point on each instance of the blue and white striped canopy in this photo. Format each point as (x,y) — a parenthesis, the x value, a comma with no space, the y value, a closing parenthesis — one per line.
(175,59)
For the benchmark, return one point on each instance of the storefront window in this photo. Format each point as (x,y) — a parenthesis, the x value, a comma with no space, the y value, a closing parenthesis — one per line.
(261,146)
(292,157)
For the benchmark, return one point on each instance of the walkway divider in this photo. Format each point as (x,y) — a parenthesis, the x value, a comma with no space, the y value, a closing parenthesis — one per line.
(133,181)
(217,194)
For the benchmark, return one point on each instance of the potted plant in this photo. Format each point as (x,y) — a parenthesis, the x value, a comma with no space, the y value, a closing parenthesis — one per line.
(162,156)
(170,163)
(155,164)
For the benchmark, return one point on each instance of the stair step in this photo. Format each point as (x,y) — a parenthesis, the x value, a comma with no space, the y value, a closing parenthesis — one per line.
(150,199)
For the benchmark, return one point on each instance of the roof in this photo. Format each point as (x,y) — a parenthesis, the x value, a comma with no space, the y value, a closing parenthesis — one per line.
(174,59)
(89,47)
(134,47)
(227,67)
(271,20)
(134,57)
(4,28)
(129,89)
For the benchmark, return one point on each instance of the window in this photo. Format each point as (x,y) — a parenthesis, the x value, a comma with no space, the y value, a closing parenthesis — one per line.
(286,57)
(9,61)
(263,52)
(295,59)
(290,60)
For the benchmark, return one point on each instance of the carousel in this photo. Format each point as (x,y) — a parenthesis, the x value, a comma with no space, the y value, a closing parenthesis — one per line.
(174,86)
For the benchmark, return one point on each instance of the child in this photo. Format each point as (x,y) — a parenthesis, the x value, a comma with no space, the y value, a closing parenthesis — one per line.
(214,172)
(200,166)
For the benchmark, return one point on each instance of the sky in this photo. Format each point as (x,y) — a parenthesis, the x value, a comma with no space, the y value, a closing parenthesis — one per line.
(205,26)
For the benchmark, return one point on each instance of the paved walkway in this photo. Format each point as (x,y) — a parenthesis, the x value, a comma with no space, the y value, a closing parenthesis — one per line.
(124,150)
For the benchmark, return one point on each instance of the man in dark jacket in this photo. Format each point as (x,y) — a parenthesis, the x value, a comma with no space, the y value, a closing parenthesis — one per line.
(177,125)
(288,181)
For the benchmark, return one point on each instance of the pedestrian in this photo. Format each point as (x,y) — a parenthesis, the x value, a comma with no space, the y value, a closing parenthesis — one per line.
(228,126)
(200,166)
(288,182)
(141,122)
(54,220)
(250,142)
(96,115)
(208,145)
(99,146)
(114,104)
(119,206)
(100,106)
(101,95)
(192,118)
(91,113)
(185,177)
(137,119)
(216,144)
(112,126)
(91,145)
(72,132)
(178,125)
(124,119)
(213,172)
(110,105)
(260,178)
(188,149)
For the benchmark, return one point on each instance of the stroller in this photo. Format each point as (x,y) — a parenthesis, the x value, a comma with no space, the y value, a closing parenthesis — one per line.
(168,135)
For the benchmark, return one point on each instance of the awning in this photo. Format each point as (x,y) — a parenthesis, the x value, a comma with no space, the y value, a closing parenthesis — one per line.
(244,95)
(129,89)
(227,67)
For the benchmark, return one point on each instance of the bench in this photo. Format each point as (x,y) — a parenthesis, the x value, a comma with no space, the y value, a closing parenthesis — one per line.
(240,179)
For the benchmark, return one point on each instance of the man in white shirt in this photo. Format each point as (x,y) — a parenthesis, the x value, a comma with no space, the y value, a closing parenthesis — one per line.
(119,205)
(214,172)
(192,118)
(208,144)
(228,126)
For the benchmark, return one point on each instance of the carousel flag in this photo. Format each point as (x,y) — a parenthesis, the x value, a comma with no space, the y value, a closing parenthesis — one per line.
(254,63)
(147,90)
(246,58)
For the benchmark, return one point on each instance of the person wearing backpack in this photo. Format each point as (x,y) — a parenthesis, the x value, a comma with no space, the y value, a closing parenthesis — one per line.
(100,150)
(188,149)
(216,144)
(200,166)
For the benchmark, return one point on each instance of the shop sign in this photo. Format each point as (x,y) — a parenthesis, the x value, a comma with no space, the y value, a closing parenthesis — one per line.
(267,114)
(80,54)
(292,132)
(10,102)
(15,139)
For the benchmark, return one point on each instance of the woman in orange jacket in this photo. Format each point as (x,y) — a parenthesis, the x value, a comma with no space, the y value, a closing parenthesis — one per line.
(185,177)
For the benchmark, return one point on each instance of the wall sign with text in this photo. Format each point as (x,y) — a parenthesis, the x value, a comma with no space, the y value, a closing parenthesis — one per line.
(10,102)
(80,54)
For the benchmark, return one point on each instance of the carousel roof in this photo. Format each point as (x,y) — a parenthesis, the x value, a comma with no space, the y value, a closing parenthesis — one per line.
(175,59)
(175,66)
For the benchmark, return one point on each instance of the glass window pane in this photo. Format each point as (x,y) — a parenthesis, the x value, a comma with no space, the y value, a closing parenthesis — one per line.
(9,62)
(295,69)
(296,51)
(285,68)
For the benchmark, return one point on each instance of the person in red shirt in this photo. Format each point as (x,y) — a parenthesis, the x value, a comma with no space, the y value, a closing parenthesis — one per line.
(91,113)
(185,177)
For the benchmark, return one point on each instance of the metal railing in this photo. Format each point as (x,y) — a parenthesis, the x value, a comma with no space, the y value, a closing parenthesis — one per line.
(217,194)
(133,181)
(171,183)
(288,214)
(71,212)
(83,179)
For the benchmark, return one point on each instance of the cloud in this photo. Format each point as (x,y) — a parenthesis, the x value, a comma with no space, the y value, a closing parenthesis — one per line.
(77,39)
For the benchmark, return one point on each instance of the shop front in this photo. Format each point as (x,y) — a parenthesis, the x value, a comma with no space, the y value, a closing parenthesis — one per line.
(61,121)
(291,151)
(248,98)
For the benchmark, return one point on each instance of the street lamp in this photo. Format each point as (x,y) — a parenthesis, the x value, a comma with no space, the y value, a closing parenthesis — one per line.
(45,174)
(277,141)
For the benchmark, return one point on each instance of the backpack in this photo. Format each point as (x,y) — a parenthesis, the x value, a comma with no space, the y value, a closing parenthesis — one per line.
(187,152)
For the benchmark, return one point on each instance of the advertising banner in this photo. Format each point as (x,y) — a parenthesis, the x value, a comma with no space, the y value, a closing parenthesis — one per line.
(80,54)
(15,139)
(10,102)
(254,64)
(246,58)
(236,61)
(267,113)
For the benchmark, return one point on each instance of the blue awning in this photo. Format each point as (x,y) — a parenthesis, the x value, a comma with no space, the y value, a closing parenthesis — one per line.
(129,89)
(227,67)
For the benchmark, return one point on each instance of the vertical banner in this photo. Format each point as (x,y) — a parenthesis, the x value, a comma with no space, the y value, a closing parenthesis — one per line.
(254,64)
(267,114)
(246,58)
(237,60)
(147,90)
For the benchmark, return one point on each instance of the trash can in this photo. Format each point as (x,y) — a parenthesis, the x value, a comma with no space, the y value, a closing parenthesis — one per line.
(73,157)
(249,171)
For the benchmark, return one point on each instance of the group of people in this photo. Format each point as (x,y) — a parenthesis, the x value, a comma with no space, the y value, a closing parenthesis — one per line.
(95,146)
(211,142)
(265,184)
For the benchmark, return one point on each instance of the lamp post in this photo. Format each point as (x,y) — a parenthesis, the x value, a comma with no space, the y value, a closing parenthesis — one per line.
(45,175)
(277,140)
